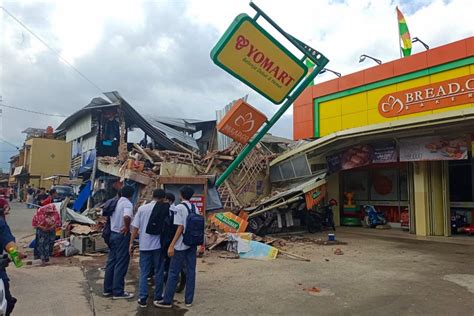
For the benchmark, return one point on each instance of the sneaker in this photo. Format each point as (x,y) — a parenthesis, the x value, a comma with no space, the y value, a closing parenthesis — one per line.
(106,294)
(162,304)
(142,302)
(125,295)
(189,305)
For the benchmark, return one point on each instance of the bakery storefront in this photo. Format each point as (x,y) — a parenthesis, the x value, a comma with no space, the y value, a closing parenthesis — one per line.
(397,136)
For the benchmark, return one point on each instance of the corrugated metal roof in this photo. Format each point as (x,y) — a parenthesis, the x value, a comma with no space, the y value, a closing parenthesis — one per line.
(189,125)
(131,114)
(96,103)
(173,134)
(158,136)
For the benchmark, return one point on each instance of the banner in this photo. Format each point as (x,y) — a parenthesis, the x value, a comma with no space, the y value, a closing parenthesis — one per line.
(362,155)
(433,148)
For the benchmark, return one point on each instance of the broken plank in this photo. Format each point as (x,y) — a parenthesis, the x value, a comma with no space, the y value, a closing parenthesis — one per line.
(295,256)
(140,149)
(209,165)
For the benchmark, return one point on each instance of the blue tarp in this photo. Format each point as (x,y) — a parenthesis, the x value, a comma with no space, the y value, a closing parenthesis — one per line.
(82,198)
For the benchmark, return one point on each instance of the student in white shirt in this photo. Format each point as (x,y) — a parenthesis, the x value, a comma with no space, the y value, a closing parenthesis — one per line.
(150,248)
(181,254)
(119,257)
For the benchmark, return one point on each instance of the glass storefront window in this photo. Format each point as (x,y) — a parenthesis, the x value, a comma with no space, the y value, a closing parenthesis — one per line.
(460,181)
(358,183)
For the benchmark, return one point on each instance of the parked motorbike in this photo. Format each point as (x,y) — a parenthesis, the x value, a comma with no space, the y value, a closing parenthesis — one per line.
(321,218)
(458,223)
(372,217)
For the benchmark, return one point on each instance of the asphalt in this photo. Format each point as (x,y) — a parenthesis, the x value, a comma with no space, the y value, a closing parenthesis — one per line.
(391,274)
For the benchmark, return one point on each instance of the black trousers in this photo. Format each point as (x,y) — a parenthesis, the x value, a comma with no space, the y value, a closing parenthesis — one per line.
(11,301)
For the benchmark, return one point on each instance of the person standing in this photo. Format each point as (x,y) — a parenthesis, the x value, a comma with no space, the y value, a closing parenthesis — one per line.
(40,196)
(181,254)
(50,198)
(46,220)
(30,197)
(4,206)
(119,257)
(11,194)
(150,247)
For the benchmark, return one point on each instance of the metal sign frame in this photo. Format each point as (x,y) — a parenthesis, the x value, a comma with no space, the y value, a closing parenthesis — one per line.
(312,54)
(228,35)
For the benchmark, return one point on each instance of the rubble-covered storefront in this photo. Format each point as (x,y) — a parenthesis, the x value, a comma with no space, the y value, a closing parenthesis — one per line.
(396,136)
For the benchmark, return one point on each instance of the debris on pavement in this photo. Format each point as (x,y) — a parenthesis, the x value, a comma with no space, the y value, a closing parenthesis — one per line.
(312,289)
(294,256)
(338,251)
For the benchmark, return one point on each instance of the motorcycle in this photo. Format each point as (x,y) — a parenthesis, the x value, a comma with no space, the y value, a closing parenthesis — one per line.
(458,223)
(320,218)
(372,217)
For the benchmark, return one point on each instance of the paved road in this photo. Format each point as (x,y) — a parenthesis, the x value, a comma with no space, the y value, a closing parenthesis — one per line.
(375,276)
(20,220)
(59,289)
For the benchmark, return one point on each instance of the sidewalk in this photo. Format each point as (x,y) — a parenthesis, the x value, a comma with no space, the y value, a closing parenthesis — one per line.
(396,233)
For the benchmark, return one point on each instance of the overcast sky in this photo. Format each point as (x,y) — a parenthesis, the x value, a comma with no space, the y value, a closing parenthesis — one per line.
(156,53)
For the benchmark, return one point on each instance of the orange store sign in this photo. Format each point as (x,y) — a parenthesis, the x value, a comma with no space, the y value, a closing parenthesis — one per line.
(241,122)
(434,96)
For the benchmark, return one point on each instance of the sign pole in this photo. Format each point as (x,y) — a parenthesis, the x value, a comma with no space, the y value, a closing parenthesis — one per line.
(241,156)
(316,57)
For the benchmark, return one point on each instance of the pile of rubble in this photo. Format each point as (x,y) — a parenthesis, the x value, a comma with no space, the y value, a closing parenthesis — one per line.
(146,165)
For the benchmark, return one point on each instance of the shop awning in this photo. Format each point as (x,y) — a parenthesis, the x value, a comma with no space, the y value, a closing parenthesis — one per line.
(434,124)
(292,194)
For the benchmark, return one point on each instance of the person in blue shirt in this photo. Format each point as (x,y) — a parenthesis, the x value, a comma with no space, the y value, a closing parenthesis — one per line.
(7,240)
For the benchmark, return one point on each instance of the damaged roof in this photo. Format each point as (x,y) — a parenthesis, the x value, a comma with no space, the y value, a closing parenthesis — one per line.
(163,135)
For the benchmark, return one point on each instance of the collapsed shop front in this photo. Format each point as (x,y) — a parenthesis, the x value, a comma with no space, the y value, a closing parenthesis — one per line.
(396,136)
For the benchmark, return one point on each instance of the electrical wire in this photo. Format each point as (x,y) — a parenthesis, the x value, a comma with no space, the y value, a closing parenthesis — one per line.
(52,49)
(30,111)
(7,142)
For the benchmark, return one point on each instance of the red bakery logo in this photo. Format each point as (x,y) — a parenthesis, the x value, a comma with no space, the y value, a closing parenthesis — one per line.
(256,58)
(430,97)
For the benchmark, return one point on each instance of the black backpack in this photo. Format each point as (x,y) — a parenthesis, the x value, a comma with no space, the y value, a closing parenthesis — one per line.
(108,209)
(157,218)
(169,230)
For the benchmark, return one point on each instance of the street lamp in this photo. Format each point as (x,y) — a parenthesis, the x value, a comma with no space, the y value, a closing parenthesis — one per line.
(364,56)
(416,39)
(334,72)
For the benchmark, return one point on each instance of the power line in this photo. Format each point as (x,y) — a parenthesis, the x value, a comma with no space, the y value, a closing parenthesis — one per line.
(52,49)
(30,111)
(7,142)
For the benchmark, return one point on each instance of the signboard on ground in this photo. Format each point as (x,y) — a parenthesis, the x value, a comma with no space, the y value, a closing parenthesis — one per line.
(433,148)
(241,122)
(253,56)
(229,222)
(430,97)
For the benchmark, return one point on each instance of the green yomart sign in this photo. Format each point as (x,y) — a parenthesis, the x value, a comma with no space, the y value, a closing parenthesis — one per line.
(253,56)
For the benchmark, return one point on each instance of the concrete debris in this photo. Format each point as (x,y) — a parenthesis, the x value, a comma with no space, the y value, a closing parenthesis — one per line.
(338,252)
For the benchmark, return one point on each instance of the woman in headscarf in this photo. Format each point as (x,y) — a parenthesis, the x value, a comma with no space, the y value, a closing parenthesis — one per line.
(46,220)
